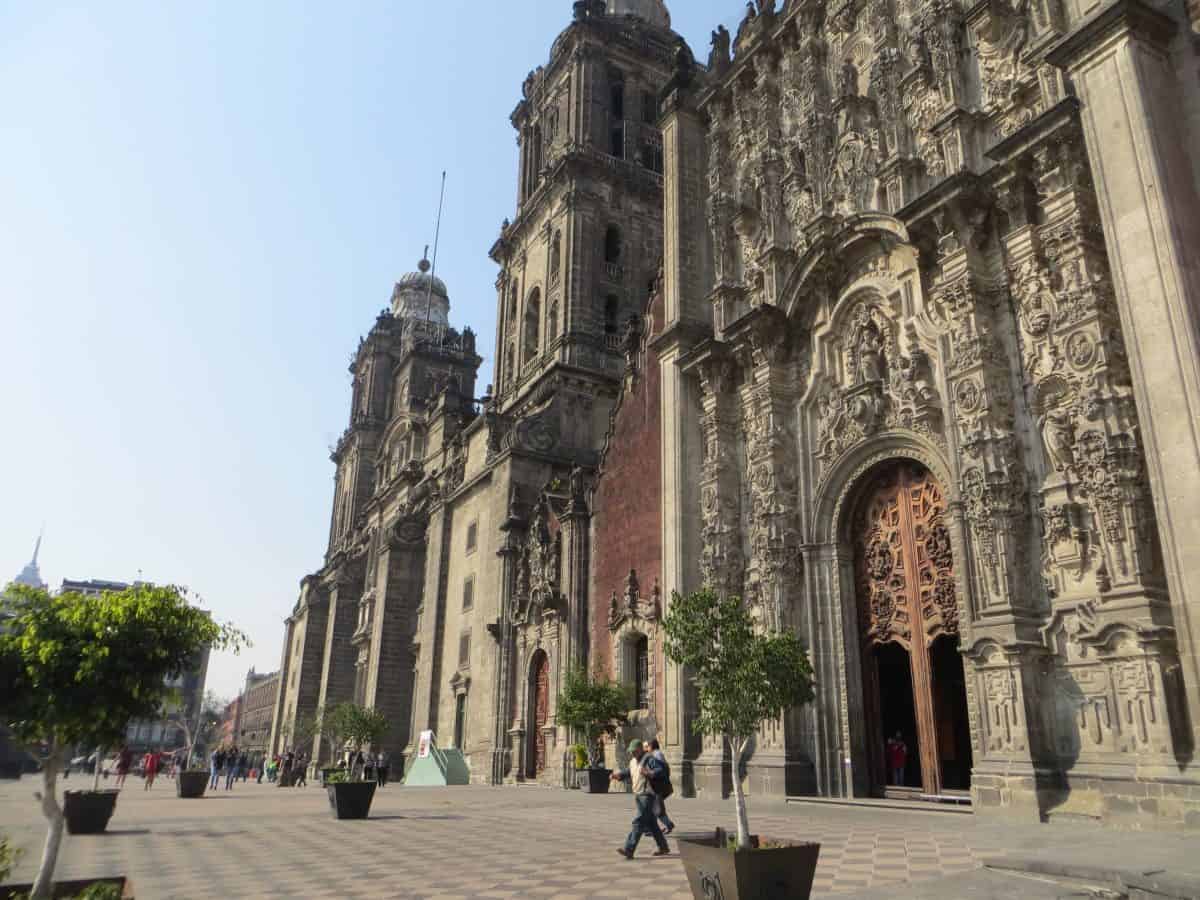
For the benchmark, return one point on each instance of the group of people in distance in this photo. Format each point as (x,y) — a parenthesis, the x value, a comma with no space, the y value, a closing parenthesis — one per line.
(234,764)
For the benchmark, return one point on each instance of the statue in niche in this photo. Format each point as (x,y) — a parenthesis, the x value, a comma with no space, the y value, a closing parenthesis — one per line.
(848,82)
(871,360)
(1058,435)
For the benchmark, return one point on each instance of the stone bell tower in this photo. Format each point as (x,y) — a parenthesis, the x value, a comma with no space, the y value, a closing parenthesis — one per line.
(577,260)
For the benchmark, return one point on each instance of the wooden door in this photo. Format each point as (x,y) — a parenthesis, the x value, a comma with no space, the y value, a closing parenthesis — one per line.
(541,710)
(906,596)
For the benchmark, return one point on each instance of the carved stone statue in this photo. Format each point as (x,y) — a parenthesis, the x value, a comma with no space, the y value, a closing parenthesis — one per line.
(1058,434)
(718,59)
(871,361)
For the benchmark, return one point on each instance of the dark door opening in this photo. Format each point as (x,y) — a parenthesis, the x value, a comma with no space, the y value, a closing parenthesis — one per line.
(898,713)
(950,708)
(460,719)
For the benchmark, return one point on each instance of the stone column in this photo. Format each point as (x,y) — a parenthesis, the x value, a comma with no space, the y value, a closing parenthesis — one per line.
(400,579)
(687,277)
(337,672)
(502,631)
(576,522)
(1120,62)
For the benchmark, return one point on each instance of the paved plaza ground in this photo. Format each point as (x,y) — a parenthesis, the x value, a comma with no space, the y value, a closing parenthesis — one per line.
(263,841)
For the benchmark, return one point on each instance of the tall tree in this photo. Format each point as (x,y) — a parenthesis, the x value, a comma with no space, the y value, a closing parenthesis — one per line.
(743,677)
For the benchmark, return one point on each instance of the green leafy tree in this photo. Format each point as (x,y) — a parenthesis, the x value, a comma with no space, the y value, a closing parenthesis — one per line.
(358,726)
(743,677)
(593,706)
(78,669)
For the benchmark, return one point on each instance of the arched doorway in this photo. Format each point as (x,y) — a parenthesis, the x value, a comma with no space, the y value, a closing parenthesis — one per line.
(913,679)
(539,711)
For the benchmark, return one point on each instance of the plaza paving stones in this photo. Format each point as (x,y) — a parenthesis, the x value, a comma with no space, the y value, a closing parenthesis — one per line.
(265,842)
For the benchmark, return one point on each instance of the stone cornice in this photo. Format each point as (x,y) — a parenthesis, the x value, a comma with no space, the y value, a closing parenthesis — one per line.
(1116,18)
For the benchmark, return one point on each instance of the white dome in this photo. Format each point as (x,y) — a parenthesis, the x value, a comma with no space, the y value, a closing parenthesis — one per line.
(653,11)
(421,295)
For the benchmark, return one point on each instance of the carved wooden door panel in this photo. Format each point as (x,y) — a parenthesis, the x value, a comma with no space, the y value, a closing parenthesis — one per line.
(906,590)
(541,707)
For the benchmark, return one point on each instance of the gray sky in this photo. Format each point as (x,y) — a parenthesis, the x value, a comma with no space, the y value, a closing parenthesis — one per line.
(202,207)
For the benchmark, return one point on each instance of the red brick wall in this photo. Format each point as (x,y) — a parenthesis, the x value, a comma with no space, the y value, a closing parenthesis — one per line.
(627,505)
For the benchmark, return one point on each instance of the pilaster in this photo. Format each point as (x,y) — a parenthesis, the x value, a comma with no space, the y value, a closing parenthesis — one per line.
(1120,62)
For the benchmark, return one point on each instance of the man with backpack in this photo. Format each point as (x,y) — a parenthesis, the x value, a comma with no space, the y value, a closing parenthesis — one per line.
(660,781)
(645,822)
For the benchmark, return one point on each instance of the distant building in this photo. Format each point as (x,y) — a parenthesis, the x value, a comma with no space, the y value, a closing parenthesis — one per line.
(256,708)
(31,575)
(231,722)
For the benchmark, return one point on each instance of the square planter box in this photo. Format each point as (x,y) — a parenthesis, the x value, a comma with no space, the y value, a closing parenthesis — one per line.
(191,784)
(88,812)
(70,888)
(594,781)
(351,799)
(771,873)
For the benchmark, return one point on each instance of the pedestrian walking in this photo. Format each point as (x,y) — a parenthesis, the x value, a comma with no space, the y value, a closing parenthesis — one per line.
(231,758)
(897,756)
(661,782)
(262,765)
(645,821)
(216,762)
(243,766)
(124,762)
(382,763)
(301,771)
(150,767)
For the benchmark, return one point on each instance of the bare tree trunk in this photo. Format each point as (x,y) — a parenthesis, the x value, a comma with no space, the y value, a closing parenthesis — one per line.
(54,817)
(737,746)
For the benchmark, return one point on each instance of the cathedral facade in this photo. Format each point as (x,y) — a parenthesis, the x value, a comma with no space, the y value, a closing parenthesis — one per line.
(917,378)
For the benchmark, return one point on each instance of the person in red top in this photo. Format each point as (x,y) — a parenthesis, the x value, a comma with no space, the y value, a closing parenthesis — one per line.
(897,757)
(151,769)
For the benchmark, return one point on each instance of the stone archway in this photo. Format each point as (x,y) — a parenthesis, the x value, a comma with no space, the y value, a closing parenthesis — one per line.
(914,688)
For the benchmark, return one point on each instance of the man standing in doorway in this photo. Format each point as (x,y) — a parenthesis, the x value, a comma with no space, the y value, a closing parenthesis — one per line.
(645,822)
(897,758)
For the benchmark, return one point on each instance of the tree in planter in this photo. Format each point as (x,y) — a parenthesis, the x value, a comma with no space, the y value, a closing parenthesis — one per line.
(592,706)
(358,726)
(198,728)
(743,677)
(78,669)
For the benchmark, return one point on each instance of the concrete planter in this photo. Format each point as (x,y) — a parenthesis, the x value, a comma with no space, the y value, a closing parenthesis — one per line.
(191,784)
(594,781)
(88,812)
(351,799)
(771,873)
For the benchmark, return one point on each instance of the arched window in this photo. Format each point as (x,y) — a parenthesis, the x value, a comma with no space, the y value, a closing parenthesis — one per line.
(611,307)
(537,155)
(555,257)
(533,318)
(641,673)
(612,244)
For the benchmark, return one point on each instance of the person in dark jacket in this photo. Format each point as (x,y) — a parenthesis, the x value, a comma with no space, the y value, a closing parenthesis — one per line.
(645,822)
